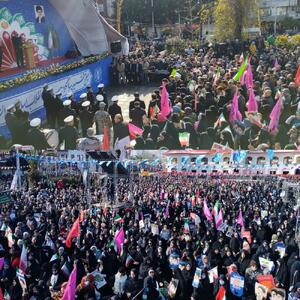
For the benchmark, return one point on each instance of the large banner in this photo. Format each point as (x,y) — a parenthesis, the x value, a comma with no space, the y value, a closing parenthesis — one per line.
(74,81)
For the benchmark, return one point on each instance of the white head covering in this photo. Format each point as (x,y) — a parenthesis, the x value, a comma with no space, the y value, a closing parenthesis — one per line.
(67,102)
(84,95)
(85,103)
(100,98)
(100,86)
(114,99)
(35,122)
(69,119)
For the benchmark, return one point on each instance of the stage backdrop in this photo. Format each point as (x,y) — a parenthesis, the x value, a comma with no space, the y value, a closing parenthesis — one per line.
(74,81)
(35,20)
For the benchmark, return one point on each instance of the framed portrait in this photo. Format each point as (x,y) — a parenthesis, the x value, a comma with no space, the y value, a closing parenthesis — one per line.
(39,14)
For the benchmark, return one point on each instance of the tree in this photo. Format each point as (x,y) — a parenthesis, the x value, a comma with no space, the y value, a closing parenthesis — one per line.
(232,16)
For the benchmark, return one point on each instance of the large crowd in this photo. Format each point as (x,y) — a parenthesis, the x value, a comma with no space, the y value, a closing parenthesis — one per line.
(201,88)
(175,245)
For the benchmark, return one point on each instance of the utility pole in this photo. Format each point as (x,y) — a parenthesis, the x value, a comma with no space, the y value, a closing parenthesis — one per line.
(153,18)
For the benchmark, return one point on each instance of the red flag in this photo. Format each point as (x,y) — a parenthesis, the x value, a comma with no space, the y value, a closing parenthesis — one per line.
(249,76)
(74,232)
(134,130)
(297,78)
(235,114)
(1,294)
(105,144)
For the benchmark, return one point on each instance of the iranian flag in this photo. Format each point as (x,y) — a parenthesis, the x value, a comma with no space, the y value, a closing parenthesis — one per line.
(118,219)
(195,217)
(23,259)
(184,138)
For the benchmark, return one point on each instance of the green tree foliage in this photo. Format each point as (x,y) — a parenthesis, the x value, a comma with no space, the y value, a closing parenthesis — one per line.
(231,16)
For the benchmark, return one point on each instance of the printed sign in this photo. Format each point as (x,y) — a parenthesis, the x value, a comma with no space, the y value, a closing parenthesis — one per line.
(237,284)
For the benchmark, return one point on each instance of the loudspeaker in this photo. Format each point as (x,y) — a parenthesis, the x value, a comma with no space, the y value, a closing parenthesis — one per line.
(116,47)
(286,172)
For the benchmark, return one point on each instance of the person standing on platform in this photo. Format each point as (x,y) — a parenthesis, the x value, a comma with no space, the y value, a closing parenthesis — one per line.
(12,123)
(18,43)
(91,97)
(23,123)
(102,118)
(35,136)
(67,111)
(86,117)
(114,108)
(120,128)
(102,92)
(46,100)
(58,109)
(52,109)
(68,135)
(82,98)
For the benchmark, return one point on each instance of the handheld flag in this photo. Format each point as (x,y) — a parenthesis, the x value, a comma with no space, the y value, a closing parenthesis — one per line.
(134,130)
(275,116)
(207,212)
(118,219)
(252,104)
(70,290)
(219,220)
(165,105)
(241,70)
(249,77)
(105,144)
(119,239)
(235,114)
(74,232)
(297,78)
(23,259)
(239,220)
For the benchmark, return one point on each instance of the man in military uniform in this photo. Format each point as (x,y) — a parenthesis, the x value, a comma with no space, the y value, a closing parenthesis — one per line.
(91,97)
(102,117)
(102,92)
(82,98)
(68,134)
(137,99)
(22,117)
(114,108)
(53,109)
(12,123)
(136,115)
(35,136)
(67,111)
(46,99)
(74,104)
(86,117)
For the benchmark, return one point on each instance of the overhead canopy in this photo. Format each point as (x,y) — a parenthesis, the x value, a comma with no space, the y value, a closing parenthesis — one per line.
(86,27)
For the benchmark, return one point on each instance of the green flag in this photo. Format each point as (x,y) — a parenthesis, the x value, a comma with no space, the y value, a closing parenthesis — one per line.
(173,73)
(241,69)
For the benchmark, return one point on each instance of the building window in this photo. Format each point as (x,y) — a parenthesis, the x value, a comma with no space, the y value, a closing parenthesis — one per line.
(204,161)
(261,161)
(287,160)
(249,160)
(274,161)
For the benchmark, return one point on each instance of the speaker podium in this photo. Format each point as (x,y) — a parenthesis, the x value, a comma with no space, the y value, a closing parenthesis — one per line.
(29,55)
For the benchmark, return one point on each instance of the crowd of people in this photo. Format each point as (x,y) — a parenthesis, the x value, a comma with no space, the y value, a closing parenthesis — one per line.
(172,247)
(202,87)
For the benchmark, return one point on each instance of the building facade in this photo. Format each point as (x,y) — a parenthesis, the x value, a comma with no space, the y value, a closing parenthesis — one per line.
(279,9)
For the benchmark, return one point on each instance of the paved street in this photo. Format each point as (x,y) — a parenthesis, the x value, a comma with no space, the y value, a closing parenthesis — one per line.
(125,95)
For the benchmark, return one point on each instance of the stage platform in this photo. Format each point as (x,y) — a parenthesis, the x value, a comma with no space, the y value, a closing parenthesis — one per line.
(75,80)
(12,73)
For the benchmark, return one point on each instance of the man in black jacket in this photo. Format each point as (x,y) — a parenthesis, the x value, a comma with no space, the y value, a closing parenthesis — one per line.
(35,136)
(114,109)
(86,117)
(68,134)
(137,99)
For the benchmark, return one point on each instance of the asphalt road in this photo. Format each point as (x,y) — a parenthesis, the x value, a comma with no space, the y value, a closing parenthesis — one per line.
(125,94)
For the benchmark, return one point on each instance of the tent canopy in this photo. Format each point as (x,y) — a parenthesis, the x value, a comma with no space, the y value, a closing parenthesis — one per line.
(91,33)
